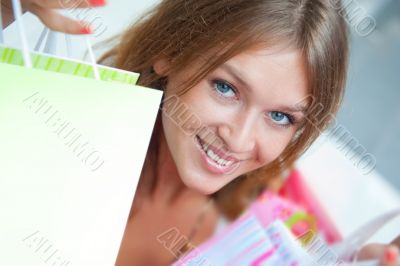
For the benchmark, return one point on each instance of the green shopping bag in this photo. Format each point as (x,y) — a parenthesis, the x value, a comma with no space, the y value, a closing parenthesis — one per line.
(72,149)
(66,66)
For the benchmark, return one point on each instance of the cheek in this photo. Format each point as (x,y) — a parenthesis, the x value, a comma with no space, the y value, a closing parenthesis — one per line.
(203,106)
(169,115)
(273,145)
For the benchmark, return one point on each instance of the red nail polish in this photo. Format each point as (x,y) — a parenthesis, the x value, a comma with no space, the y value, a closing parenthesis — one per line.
(97,2)
(391,255)
(86,30)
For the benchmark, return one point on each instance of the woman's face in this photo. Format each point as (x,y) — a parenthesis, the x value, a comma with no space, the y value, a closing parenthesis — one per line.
(239,118)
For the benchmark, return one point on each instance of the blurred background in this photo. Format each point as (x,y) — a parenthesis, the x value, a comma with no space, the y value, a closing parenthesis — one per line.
(371,109)
(353,167)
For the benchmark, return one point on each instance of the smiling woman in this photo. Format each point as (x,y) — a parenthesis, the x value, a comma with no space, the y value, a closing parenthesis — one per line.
(251,121)
(242,67)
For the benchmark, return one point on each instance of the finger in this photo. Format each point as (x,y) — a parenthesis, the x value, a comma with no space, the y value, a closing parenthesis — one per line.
(69,3)
(396,242)
(371,252)
(57,22)
(391,256)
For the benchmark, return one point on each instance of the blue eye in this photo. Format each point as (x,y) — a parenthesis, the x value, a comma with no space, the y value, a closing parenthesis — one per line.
(281,118)
(224,89)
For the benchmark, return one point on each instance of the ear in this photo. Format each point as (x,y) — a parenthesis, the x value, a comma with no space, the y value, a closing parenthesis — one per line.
(161,66)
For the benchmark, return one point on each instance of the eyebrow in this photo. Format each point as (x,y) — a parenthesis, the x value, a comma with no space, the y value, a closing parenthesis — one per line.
(238,76)
(293,109)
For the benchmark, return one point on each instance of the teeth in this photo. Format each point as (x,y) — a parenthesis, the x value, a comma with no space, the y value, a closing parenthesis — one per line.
(212,155)
(215,157)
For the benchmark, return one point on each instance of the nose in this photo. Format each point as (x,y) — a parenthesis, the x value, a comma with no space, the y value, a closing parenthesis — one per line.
(240,133)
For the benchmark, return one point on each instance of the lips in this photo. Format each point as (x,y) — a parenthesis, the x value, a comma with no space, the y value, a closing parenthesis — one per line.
(216,160)
(221,154)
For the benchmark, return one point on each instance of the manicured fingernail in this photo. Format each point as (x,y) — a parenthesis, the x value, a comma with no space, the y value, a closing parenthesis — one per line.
(97,2)
(391,255)
(86,30)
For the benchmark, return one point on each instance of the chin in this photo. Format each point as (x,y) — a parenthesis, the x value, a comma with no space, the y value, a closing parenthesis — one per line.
(200,183)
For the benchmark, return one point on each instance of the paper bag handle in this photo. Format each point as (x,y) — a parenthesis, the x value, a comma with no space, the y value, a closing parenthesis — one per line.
(25,49)
(17,10)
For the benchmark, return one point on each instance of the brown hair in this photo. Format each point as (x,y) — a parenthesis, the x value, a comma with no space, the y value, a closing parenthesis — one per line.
(217,30)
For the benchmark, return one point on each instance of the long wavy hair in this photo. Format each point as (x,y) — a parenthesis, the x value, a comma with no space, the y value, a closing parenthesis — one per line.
(185,30)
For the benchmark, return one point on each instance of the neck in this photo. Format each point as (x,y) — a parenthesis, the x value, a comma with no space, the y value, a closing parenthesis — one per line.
(168,183)
(160,176)
(160,179)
